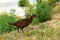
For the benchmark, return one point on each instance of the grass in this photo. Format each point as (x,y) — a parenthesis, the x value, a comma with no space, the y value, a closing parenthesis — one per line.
(37,32)
(49,30)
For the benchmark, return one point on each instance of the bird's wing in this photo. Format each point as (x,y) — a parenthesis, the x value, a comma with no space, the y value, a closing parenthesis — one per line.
(21,21)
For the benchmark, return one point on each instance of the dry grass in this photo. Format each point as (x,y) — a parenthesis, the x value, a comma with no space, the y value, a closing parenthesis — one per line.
(36,32)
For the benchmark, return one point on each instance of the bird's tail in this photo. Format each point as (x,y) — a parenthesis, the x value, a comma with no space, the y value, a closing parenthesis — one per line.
(11,23)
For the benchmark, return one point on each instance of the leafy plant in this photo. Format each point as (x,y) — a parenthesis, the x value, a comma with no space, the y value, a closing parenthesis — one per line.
(4,20)
(23,3)
(43,11)
(12,11)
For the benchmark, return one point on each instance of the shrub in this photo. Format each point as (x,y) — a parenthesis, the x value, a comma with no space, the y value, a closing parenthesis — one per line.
(4,20)
(39,1)
(43,11)
(23,3)
(35,21)
(52,2)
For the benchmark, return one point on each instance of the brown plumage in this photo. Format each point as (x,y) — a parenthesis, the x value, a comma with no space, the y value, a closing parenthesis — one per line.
(23,22)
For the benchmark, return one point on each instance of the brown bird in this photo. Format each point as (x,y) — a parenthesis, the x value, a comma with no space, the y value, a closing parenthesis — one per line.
(23,22)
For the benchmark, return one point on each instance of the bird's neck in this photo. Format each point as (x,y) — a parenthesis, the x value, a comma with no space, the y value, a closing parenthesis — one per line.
(31,18)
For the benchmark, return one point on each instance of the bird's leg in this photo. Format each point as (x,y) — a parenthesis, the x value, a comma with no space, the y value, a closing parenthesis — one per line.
(18,29)
(22,30)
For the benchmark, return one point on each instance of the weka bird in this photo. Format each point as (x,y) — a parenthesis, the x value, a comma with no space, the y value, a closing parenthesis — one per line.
(23,22)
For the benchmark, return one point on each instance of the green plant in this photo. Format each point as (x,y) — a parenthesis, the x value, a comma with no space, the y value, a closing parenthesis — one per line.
(29,10)
(35,21)
(23,3)
(43,11)
(12,11)
(38,1)
(4,20)
(52,2)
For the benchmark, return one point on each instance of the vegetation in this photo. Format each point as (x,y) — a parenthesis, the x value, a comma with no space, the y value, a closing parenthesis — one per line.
(39,1)
(12,11)
(5,19)
(39,32)
(29,10)
(43,11)
(47,30)
(52,2)
(23,3)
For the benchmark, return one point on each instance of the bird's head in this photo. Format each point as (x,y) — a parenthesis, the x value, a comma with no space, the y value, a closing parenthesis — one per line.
(33,15)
